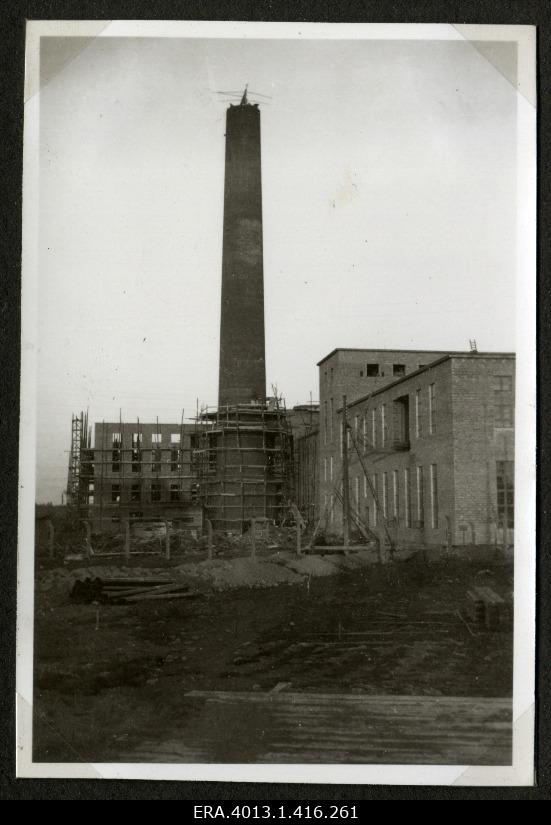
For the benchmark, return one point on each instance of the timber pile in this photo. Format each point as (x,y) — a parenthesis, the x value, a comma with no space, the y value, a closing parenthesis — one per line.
(125,590)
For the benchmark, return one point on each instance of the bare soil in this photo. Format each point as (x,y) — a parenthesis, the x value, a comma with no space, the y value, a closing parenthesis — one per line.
(108,678)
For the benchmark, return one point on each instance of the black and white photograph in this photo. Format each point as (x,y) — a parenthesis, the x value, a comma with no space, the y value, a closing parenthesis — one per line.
(277,500)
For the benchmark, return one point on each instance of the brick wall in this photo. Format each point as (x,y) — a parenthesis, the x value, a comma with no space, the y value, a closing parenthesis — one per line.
(167,464)
(454,441)
(478,444)
(345,372)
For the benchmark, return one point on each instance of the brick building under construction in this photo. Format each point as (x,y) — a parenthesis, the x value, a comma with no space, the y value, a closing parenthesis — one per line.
(235,462)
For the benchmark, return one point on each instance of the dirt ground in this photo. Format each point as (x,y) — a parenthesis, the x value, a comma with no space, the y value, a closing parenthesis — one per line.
(109,678)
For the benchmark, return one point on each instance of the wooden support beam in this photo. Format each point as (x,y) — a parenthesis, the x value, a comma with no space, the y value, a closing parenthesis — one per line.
(127,539)
(51,534)
(88,539)
(167,540)
(209,538)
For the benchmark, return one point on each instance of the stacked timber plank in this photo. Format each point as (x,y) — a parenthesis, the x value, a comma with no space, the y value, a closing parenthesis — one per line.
(127,590)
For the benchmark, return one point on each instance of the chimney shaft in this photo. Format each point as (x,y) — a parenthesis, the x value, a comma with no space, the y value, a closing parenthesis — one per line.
(242,376)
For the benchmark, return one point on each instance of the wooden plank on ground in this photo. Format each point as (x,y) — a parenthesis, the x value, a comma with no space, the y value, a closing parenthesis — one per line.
(281,727)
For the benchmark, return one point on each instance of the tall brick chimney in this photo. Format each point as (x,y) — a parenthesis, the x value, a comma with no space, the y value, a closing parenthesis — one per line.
(242,375)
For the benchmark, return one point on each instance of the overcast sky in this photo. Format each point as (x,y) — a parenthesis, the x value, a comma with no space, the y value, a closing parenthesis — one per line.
(389,214)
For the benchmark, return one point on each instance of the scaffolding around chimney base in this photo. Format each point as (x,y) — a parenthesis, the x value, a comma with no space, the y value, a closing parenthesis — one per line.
(244,460)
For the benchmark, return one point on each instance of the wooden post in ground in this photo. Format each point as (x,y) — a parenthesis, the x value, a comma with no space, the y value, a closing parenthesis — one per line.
(345,479)
(505,501)
(88,539)
(127,539)
(50,539)
(167,540)
(253,538)
(209,538)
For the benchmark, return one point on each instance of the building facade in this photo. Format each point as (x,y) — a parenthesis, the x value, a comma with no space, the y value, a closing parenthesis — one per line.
(304,421)
(142,472)
(430,451)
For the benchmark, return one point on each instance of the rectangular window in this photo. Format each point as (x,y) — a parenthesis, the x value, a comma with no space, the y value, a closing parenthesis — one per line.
(325,422)
(407,496)
(155,492)
(136,452)
(175,452)
(373,428)
(156,461)
(398,369)
(372,370)
(418,413)
(420,498)
(174,492)
(432,409)
(135,493)
(325,469)
(356,426)
(505,482)
(503,401)
(385,495)
(364,432)
(375,508)
(395,494)
(400,410)
(115,493)
(331,468)
(433,496)
(383,425)
(365,486)
(156,438)
(116,455)
(174,459)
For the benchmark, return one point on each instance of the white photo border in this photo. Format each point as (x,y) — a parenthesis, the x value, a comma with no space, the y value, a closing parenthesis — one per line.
(521,773)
